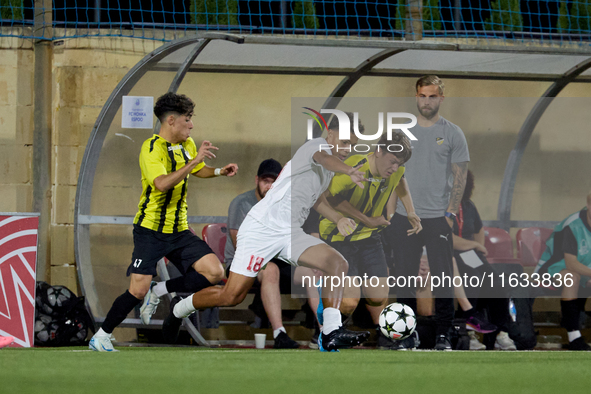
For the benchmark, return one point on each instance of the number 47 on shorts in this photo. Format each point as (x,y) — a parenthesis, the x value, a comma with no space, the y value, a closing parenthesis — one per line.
(255,264)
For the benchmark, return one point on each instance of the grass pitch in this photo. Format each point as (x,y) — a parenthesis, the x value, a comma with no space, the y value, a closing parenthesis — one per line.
(201,370)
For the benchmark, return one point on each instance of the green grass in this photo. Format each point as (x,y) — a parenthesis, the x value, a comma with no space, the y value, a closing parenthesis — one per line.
(188,370)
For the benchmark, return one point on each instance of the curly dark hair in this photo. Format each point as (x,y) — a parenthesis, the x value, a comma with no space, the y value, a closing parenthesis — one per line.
(334,123)
(469,186)
(399,138)
(172,102)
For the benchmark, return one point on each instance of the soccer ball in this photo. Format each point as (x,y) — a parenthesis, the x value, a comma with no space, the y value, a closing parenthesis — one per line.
(54,300)
(397,321)
(45,329)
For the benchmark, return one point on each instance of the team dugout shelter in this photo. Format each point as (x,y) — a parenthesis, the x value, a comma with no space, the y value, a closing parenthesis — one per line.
(523,109)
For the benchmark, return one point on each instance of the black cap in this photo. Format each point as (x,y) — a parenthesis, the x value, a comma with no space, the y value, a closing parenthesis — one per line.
(269,167)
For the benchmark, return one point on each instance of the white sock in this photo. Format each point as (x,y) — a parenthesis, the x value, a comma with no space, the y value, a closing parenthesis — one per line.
(278,331)
(102,333)
(160,289)
(332,320)
(184,308)
(572,335)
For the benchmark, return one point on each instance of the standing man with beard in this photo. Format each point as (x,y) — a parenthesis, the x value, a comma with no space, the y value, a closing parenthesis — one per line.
(276,271)
(436,175)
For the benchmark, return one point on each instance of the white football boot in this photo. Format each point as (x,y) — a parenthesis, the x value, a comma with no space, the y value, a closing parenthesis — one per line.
(151,301)
(101,343)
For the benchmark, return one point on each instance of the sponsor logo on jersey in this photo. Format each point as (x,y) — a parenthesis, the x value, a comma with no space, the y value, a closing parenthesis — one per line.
(584,249)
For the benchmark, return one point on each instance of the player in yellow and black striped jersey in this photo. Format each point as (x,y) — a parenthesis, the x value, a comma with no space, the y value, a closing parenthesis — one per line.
(164,211)
(363,247)
(370,201)
(160,225)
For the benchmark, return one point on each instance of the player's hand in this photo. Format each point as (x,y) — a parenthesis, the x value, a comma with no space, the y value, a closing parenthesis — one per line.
(481,248)
(376,221)
(357,176)
(230,169)
(205,151)
(415,222)
(450,222)
(346,226)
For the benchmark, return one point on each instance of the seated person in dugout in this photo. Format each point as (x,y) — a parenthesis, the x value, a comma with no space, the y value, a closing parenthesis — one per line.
(363,247)
(276,272)
(566,263)
(468,234)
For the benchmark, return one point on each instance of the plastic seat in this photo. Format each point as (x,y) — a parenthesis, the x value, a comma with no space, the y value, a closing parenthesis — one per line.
(498,243)
(531,243)
(215,236)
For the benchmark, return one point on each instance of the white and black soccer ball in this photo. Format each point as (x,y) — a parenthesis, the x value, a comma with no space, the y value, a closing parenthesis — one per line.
(45,329)
(57,298)
(398,321)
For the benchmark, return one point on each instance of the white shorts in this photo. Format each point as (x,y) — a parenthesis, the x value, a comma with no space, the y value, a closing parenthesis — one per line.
(256,244)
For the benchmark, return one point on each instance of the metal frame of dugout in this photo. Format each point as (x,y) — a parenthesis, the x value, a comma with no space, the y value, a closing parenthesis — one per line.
(229,53)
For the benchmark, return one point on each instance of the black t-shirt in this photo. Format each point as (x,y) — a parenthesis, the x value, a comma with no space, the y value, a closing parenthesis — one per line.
(471,219)
(569,242)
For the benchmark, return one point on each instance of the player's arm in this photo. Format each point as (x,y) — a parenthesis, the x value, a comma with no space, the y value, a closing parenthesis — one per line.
(391,206)
(459,171)
(465,244)
(403,193)
(332,163)
(209,172)
(168,181)
(340,185)
(345,225)
(349,210)
(573,264)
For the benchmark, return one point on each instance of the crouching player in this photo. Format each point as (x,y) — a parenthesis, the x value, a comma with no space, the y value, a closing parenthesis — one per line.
(273,228)
(363,248)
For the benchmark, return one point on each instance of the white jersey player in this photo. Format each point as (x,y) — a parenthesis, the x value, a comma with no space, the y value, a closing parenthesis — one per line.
(272,228)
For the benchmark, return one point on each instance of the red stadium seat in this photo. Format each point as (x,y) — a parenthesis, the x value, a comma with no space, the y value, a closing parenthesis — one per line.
(215,235)
(531,243)
(498,243)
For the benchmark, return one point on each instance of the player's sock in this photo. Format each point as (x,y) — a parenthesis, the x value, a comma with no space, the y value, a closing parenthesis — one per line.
(570,314)
(332,320)
(160,289)
(572,335)
(278,331)
(184,307)
(191,282)
(101,332)
(118,312)
(469,312)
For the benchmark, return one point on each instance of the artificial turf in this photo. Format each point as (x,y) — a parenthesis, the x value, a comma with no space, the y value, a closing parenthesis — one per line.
(202,370)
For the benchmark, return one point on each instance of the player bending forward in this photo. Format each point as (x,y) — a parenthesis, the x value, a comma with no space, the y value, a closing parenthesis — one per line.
(273,228)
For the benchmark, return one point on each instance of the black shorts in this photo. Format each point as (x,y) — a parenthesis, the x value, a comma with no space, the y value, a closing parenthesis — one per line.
(364,257)
(182,249)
